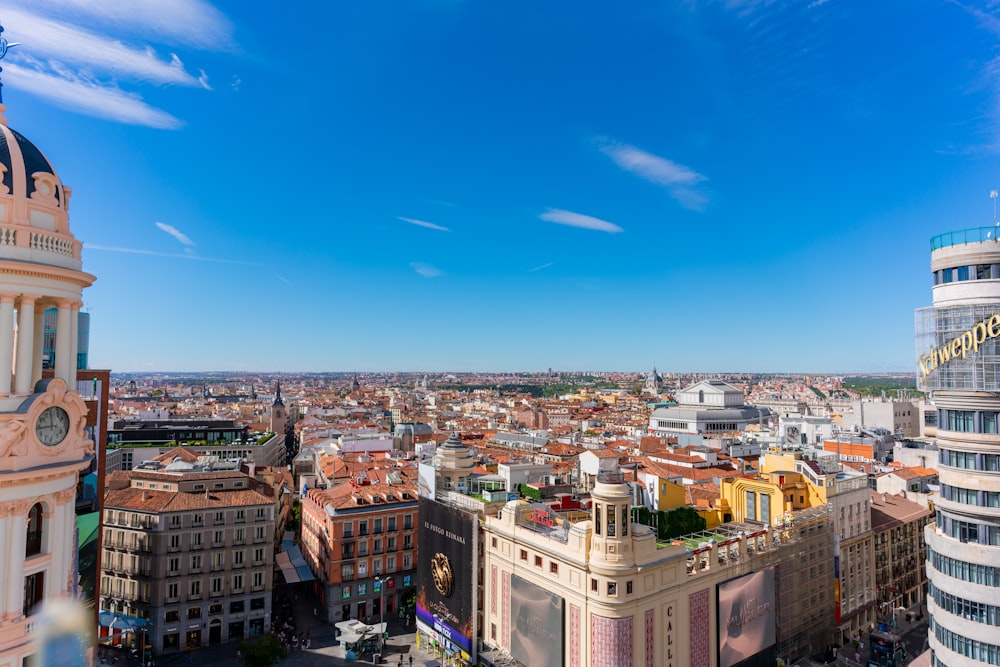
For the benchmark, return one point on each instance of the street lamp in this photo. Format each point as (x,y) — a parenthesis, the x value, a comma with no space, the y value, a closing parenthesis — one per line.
(381,610)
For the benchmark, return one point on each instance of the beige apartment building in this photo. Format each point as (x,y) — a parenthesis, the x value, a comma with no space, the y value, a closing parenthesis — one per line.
(900,553)
(188,553)
(602,591)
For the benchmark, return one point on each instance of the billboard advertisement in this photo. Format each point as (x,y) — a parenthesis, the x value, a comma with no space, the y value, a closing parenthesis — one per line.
(746,617)
(536,635)
(446,577)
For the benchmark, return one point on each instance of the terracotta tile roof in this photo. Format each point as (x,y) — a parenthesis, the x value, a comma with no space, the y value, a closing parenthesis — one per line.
(146,500)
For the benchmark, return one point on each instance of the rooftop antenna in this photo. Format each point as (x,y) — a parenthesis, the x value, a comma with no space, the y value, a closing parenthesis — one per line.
(993,196)
(4,45)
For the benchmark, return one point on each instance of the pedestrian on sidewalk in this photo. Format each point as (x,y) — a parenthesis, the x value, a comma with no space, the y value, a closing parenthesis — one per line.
(411,661)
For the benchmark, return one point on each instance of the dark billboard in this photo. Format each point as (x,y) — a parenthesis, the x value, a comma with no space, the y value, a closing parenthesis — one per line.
(746,618)
(445,571)
(536,637)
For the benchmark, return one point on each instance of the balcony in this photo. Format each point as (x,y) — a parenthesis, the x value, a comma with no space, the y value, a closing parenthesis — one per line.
(963,236)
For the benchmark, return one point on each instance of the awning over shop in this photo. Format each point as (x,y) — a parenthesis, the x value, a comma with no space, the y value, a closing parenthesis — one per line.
(293,566)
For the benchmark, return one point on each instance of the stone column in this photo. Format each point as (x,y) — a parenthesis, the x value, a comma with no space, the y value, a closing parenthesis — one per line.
(4,555)
(64,332)
(6,347)
(74,343)
(60,533)
(17,535)
(25,344)
(36,363)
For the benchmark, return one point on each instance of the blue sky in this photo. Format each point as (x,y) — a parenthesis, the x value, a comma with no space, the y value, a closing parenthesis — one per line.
(467,185)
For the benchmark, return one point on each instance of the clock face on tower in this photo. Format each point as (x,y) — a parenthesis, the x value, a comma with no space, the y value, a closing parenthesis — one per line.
(52,426)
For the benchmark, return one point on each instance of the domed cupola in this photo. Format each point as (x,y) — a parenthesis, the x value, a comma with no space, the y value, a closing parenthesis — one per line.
(40,266)
(34,205)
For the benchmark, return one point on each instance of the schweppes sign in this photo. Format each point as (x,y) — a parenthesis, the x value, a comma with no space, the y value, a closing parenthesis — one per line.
(959,346)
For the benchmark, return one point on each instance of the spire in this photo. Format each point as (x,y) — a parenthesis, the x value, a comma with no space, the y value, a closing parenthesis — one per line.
(277,394)
(4,45)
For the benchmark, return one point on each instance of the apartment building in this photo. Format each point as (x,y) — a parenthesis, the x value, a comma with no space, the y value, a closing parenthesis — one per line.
(188,553)
(359,538)
(900,552)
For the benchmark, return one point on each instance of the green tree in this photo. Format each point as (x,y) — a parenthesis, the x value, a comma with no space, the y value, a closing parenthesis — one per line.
(263,652)
(677,522)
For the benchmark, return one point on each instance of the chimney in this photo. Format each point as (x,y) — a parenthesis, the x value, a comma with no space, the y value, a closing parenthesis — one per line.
(145,496)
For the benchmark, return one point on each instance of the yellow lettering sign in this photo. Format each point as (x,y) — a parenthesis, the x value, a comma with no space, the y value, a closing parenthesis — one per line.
(960,346)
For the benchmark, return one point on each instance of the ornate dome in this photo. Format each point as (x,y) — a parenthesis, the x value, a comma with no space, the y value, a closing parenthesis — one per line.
(25,169)
(34,205)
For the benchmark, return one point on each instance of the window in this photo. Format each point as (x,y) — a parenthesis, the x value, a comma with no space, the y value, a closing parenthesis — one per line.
(628,587)
(175,543)
(407,522)
(362,528)
(258,533)
(236,607)
(220,517)
(173,591)
(239,536)
(392,523)
(34,592)
(258,579)
(377,528)
(612,588)
(238,558)
(216,584)
(407,561)
(196,588)
(597,518)
(219,538)
(593,585)
(34,542)
(390,564)
(193,613)
(538,561)
(407,541)
(241,516)
(390,544)
(554,568)
(493,542)
(261,514)
(215,609)
(196,563)
(175,521)
(237,582)
(174,566)
(258,555)
(524,555)
(256,603)
(218,560)
(172,616)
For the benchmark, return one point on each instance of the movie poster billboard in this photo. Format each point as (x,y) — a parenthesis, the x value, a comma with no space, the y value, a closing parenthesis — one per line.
(536,636)
(446,572)
(746,618)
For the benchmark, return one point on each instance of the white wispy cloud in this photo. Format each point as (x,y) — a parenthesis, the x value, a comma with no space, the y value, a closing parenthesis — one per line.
(191,22)
(94,56)
(426,270)
(154,253)
(679,180)
(67,43)
(561,217)
(424,223)
(539,268)
(90,97)
(176,233)
(284,280)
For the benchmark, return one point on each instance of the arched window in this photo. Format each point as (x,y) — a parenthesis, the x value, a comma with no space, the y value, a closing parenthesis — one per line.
(33,546)
(701,396)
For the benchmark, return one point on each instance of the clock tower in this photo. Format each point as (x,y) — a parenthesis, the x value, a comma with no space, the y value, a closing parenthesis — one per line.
(43,445)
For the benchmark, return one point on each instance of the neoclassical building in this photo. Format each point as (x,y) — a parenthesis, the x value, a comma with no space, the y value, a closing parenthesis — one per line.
(709,406)
(43,445)
(601,591)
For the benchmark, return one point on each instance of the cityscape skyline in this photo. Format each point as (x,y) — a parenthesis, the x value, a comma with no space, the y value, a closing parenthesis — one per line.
(509,189)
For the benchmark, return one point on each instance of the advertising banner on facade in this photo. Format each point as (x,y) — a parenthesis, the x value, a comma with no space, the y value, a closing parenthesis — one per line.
(746,617)
(958,347)
(536,636)
(446,575)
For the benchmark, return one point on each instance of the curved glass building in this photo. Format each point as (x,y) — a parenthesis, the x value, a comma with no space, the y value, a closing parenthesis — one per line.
(958,362)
